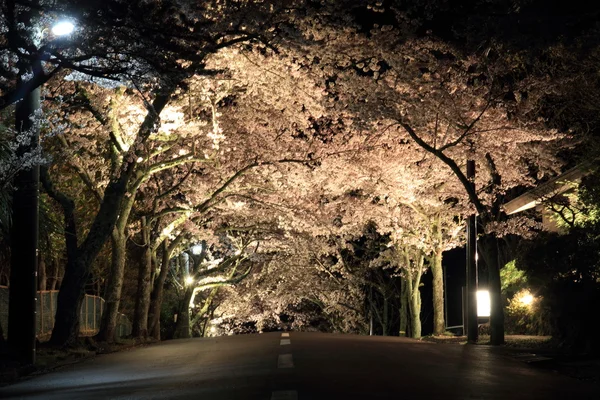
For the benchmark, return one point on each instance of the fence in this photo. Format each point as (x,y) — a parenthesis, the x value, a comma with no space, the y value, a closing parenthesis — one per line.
(89,319)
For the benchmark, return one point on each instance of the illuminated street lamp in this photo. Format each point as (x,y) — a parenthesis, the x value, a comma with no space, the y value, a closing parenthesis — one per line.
(526,298)
(63,28)
(483,303)
(25,210)
(196,249)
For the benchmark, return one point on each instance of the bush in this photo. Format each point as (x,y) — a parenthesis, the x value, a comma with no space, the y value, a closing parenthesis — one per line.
(525,315)
(565,270)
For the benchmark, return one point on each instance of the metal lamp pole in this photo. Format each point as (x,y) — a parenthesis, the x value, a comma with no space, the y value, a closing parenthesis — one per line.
(22,315)
(24,235)
(471,309)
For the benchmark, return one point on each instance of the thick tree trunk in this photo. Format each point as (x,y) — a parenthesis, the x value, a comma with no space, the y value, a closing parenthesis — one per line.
(182,327)
(142,301)
(414,272)
(489,245)
(156,296)
(439,324)
(415,313)
(76,272)
(68,304)
(414,303)
(110,318)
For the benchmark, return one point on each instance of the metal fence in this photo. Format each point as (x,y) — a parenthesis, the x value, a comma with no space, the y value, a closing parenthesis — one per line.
(90,317)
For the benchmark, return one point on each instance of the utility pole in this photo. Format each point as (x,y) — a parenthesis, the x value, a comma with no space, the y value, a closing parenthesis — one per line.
(471,317)
(24,234)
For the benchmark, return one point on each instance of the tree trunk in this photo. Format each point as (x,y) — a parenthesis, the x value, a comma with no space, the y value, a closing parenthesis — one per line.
(414,271)
(415,313)
(205,307)
(110,317)
(403,308)
(182,327)
(68,303)
(385,311)
(42,276)
(156,297)
(142,301)
(491,253)
(53,274)
(439,324)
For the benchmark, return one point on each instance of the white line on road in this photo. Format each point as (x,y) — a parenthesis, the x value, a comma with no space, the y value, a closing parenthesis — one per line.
(285,361)
(285,334)
(284,395)
(283,342)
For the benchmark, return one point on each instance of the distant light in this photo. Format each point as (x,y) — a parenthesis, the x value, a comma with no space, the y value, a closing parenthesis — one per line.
(196,249)
(189,280)
(483,303)
(526,298)
(213,329)
(63,28)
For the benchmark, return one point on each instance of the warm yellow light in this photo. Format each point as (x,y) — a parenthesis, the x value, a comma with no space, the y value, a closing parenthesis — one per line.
(189,280)
(526,298)
(483,303)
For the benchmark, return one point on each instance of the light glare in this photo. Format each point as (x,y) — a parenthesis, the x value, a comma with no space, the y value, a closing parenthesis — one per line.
(526,299)
(483,303)
(196,249)
(189,280)
(63,28)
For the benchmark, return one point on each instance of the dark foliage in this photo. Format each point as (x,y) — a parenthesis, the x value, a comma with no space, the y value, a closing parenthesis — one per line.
(565,269)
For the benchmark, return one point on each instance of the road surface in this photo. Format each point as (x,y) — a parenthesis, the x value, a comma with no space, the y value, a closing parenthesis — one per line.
(305,366)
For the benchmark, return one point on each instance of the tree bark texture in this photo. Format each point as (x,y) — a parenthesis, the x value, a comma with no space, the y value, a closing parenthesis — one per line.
(403,308)
(114,287)
(439,323)
(142,301)
(414,271)
(182,327)
(492,255)
(156,296)
(42,275)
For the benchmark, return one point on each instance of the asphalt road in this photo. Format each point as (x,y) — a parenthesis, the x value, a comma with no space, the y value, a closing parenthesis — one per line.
(302,366)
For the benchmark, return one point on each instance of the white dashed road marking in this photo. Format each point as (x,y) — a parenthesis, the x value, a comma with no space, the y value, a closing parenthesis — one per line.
(285,395)
(283,342)
(285,361)
(285,334)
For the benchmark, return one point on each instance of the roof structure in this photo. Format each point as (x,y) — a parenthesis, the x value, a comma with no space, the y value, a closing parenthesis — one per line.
(554,186)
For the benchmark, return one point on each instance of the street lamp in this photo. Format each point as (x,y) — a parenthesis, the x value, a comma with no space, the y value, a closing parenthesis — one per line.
(63,28)
(483,303)
(25,219)
(197,249)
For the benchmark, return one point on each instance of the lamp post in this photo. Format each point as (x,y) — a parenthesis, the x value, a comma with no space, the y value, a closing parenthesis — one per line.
(25,216)
(471,309)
